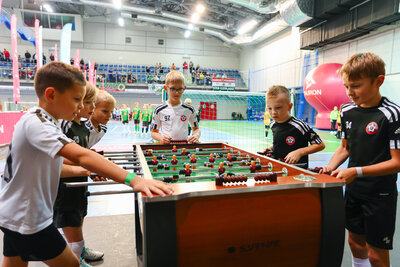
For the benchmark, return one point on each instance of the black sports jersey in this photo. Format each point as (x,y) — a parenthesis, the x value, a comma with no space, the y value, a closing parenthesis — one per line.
(77,132)
(73,198)
(371,133)
(292,135)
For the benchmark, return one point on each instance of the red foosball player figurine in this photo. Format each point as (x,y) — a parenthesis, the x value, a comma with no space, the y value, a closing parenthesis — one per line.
(193,160)
(183,153)
(211,159)
(149,152)
(229,157)
(188,171)
(221,168)
(174,149)
(253,166)
(174,161)
(154,161)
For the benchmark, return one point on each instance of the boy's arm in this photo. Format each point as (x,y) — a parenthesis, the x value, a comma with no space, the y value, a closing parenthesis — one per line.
(383,168)
(96,163)
(338,158)
(294,156)
(73,171)
(155,134)
(194,138)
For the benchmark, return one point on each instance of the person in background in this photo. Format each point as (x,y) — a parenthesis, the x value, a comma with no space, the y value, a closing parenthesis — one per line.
(333,117)
(27,56)
(267,122)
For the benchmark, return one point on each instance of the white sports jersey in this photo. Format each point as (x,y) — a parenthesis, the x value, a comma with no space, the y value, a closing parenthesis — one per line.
(95,135)
(174,121)
(32,173)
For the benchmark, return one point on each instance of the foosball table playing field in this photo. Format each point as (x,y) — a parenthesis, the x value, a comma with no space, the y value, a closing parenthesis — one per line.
(231,207)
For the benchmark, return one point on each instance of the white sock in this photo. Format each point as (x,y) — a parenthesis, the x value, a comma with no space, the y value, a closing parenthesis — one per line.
(361,262)
(62,234)
(77,247)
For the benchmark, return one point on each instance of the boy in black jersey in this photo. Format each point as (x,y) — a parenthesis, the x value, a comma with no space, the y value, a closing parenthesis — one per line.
(371,141)
(291,135)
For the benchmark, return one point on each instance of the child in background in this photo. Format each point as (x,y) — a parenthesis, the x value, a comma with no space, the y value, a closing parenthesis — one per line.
(371,141)
(125,118)
(97,124)
(267,122)
(291,135)
(172,117)
(136,117)
(188,101)
(145,116)
(70,206)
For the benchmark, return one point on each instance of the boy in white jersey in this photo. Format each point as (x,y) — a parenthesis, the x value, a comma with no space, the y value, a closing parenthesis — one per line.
(371,140)
(172,117)
(34,165)
(97,123)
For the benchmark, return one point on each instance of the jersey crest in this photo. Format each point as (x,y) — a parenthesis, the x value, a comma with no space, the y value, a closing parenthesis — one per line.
(372,128)
(183,118)
(290,140)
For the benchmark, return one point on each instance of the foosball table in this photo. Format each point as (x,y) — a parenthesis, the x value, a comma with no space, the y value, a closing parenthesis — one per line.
(231,207)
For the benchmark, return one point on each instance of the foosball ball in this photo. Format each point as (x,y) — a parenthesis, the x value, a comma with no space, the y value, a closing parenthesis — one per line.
(235,208)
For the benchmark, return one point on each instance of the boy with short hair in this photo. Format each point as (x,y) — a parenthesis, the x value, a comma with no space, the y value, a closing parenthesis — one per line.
(172,117)
(371,141)
(34,165)
(291,135)
(97,124)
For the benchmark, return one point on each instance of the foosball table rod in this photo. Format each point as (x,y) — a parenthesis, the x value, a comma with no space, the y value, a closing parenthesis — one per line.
(261,176)
(113,192)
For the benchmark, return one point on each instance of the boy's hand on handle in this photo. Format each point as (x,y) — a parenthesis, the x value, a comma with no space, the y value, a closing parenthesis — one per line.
(293,157)
(166,139)
(326,170)
(149,187)
(97,178)
(193,139)
(348,174)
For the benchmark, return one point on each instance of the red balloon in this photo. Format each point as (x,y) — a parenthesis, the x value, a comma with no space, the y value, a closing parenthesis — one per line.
(323,89)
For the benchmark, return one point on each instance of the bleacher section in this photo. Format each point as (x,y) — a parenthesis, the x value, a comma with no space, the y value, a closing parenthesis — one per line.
(121,72)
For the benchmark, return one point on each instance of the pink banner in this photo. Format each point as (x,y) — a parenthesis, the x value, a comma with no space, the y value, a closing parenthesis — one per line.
(76,60)
(37,43)
(85,72)
(0,6)
(16,94)
(91,72)
(55,52)
(102,85)
(7,123)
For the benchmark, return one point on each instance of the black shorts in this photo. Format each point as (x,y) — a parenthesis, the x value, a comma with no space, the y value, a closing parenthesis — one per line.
(373,218)
(266,127)
(137,121)
(145,123)
(41,246)
(125,122)
(73,218)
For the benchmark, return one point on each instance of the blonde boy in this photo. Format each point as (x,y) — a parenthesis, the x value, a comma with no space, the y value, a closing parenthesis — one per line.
(172,117)
(291,135)
(371,141)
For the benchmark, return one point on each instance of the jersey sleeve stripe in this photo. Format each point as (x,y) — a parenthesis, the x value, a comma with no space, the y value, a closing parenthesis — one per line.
(297,126)
(305,126)
(161,108)
(393,108)
(188,107)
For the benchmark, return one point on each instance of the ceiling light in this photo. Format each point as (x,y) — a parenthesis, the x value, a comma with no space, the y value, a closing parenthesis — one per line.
(48,8)
(200,8)
(195,18)
(117,4)
(190,27)
(187,34)
(247,26)
(121,22)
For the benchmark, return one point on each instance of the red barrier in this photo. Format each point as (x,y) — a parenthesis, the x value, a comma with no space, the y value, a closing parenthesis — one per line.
(7,123)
